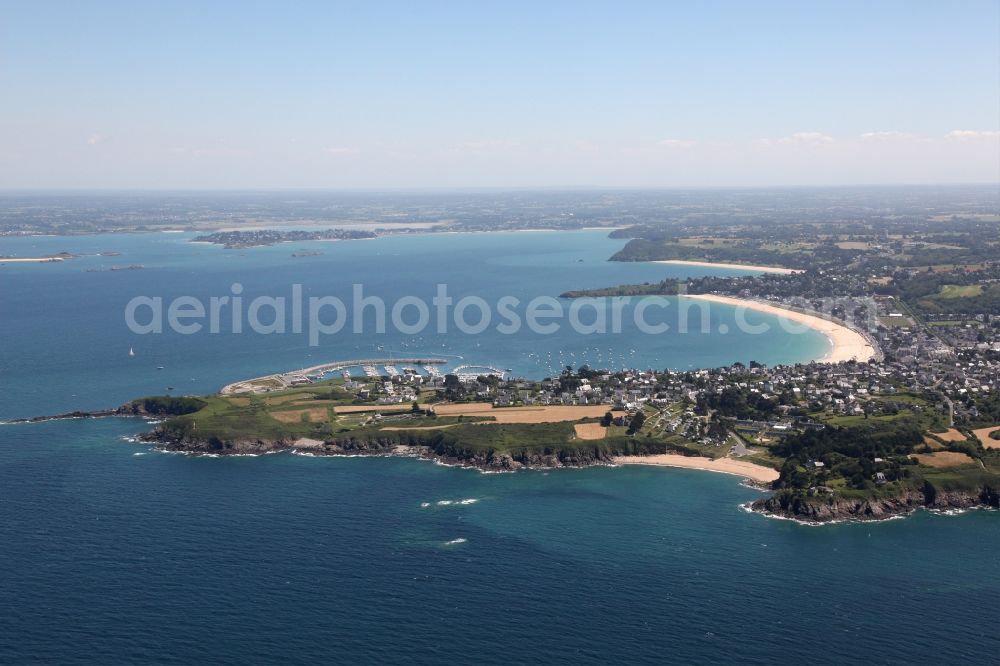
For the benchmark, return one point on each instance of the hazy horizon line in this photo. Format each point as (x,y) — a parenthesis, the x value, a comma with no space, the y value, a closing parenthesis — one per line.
(486,188)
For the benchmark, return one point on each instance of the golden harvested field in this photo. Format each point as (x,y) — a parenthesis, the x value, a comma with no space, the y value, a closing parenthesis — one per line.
(944,459)
(950,435)
(853,245)
(543,414)
(354,409)
(590,431)
(932,443)
(465,409)
(983,435)
(316,415)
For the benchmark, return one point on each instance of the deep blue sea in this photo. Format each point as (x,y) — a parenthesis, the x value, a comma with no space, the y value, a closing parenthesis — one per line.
(113,553)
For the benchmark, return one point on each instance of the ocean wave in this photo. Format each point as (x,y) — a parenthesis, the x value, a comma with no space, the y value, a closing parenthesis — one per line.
(959,512)
(454,542)
(461,502)
(471,467)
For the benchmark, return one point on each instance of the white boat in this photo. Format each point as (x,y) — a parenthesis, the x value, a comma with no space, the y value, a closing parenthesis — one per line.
(131,352)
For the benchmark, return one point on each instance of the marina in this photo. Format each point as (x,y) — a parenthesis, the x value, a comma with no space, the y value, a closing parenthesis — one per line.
(304,376)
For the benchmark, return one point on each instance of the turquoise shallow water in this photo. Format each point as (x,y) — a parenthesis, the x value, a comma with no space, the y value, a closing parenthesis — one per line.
(66,342)
(112,553)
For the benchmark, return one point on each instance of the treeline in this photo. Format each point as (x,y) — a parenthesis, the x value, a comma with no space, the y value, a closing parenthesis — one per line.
(920,290)
(736,403)
(978,252)
(641,249)
(167,405)
(744,252)
(807,285)
(667,287)
(849,453)
(987,406)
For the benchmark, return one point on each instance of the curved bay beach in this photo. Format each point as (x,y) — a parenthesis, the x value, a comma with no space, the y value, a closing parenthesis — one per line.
(716,264)
(846,343)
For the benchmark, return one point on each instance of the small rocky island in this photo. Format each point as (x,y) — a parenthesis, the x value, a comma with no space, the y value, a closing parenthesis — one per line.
(262,237)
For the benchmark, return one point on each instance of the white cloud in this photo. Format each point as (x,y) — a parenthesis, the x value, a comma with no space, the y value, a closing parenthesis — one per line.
(885,135)
(340,150)
(97,138)
(807,139)
(676,143)
(971,135)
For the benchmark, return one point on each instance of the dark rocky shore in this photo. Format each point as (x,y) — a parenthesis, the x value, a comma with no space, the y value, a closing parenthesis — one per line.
(817,509)
(833,508)
(484,460)
(129,409)
(823,509)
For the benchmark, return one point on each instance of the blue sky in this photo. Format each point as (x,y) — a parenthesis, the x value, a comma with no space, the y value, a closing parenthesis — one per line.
(468,94)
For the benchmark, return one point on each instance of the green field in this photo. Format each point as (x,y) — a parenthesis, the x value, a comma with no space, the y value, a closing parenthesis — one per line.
(310,412)
(959,291)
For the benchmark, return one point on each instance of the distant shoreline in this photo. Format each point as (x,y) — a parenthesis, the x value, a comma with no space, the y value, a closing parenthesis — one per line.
(846,343)
(715,264)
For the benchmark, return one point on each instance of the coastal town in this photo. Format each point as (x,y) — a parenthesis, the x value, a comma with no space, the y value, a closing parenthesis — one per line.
(915,406)
(902,410)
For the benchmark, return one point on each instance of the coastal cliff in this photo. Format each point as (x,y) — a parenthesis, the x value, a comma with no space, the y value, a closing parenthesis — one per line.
(790,504)
(437,446)
(829,508)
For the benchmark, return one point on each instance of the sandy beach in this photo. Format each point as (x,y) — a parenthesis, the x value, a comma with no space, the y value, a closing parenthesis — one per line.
(746,267)
(846,344)
(34,260)
(747,470)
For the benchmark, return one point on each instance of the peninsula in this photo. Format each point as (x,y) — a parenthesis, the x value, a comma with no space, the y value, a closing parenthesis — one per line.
(823,463)
(903,412)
